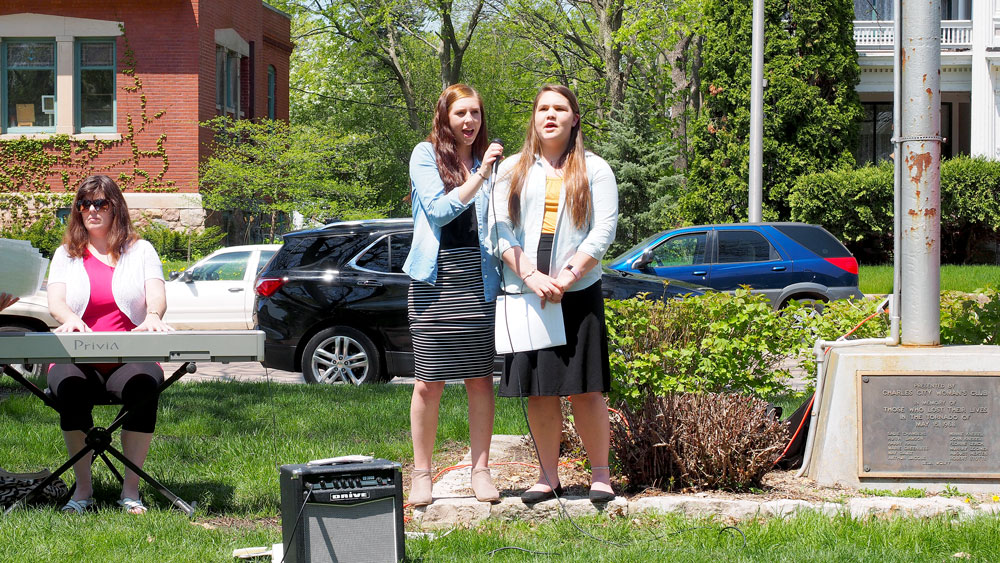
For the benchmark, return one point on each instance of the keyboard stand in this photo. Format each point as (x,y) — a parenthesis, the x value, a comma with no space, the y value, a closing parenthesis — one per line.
(99,440)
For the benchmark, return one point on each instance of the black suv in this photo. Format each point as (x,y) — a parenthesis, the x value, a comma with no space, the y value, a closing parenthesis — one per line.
(332,301)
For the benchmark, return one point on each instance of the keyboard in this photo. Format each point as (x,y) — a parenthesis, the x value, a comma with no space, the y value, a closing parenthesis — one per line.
(123,347)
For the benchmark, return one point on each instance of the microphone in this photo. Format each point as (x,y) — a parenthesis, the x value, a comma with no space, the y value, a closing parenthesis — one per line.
(496,163)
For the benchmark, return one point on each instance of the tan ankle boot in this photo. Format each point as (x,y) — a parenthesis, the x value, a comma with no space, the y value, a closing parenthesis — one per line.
(482,485)
(421,485)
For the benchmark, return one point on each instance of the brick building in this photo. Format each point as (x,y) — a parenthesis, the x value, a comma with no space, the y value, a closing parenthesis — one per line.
(129,83)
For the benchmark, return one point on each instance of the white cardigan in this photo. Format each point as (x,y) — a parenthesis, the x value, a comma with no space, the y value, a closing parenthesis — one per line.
(128,282)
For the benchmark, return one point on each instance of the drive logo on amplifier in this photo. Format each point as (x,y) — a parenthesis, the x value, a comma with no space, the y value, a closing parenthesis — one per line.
(344,496)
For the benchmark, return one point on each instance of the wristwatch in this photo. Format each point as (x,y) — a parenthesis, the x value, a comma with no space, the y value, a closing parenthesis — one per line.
(576,273)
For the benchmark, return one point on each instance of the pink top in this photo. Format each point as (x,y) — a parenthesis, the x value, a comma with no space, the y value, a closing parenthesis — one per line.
(102,313)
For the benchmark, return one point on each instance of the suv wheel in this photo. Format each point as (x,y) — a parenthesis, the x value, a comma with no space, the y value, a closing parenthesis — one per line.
(341,353)
(27,370)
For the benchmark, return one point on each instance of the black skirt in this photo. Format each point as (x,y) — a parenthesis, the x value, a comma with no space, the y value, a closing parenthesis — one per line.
(579,366)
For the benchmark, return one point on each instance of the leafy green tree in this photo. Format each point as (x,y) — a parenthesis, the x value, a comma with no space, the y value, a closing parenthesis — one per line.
(810,104)
(648,185)
(269,170)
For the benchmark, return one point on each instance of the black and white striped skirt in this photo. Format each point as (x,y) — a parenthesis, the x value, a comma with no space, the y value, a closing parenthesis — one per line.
(451,323)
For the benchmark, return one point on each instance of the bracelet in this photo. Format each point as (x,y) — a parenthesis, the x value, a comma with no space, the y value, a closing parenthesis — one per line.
(481,176)
(157,313)
(529,274)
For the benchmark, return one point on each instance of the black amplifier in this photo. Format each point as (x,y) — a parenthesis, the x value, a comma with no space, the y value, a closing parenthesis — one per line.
(350,512)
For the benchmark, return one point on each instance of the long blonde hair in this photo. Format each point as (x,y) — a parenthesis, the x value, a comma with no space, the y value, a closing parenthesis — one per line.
(574,166)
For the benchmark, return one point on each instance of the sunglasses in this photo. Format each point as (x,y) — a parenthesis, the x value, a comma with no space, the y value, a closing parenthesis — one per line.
(100,204)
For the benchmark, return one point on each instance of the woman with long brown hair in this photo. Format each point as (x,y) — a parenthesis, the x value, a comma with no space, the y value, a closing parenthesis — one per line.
(556,210)
(454,283)
(105,278)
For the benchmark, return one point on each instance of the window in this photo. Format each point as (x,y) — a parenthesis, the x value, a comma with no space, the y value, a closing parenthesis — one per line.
(227,81)
(875,133)
(376,258)
(399,248)
(220,77)
(873,10)
(265,255)
(29,86)
(744,246)
(95,86)
(230,266)
(681,250)
(270,91)
(881,10)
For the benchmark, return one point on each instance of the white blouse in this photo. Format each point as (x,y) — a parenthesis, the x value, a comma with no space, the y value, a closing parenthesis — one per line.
(128,282)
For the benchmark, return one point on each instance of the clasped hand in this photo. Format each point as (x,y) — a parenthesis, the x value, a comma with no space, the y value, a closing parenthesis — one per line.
(548,288)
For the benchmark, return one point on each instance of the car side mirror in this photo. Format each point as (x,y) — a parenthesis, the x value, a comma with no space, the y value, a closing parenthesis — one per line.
(642,262)
(173,275)
(186,276)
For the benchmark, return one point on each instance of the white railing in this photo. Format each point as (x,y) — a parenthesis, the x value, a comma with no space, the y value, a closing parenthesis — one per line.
(955,34)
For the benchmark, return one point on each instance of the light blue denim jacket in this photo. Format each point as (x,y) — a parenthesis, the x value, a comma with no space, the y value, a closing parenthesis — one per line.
(433,209)
(594,239)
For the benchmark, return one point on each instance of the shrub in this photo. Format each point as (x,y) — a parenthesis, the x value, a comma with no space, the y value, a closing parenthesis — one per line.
(709,343)
(182,245)
(970,318)
(702,441)
(45,234)
(855,205)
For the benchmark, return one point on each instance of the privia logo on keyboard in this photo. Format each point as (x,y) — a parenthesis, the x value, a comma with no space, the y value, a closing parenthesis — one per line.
(95,346)
(349,496)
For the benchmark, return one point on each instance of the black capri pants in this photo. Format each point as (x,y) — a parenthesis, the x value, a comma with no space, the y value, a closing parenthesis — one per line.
(77,388)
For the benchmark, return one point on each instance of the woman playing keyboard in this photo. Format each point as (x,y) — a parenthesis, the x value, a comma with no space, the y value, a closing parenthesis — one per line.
(105,278)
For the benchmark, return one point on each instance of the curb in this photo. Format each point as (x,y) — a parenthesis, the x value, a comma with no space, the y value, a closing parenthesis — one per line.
(454,506)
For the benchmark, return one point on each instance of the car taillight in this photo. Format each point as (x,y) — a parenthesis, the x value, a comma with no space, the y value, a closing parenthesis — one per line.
(847,263)
(267,286)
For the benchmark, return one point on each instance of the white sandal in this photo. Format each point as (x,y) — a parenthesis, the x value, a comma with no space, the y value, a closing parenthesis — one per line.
(78,506)
(132,505)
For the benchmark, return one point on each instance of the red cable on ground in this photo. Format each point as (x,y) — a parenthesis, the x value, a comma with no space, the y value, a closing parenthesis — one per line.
(802,423)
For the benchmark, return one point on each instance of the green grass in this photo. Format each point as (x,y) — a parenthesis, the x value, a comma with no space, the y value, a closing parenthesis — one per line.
(218,444)
(878,279)
(807,537)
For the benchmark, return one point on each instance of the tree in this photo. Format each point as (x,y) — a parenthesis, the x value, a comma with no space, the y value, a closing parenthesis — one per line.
(269,169)
(393,35)
(810,104)
(577,46)
(648,185)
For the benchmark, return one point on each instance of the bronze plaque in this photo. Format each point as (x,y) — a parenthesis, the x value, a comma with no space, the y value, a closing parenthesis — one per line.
(919,424)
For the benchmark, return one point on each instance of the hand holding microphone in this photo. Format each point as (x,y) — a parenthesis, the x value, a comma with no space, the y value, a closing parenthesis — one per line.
(492,158)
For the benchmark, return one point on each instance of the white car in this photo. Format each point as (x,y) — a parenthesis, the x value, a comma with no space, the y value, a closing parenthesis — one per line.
(216,293)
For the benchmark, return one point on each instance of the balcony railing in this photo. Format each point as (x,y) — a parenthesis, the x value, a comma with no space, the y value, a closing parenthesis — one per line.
(868,35)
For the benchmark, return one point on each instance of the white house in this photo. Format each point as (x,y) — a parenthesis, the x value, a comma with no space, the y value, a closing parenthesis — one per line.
(970,77)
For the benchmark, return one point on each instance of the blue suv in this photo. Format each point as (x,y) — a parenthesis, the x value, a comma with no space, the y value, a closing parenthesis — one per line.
(784,261)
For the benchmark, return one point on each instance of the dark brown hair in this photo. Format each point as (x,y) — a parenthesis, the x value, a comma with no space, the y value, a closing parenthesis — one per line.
(445,144)
(120,235)
(574,167)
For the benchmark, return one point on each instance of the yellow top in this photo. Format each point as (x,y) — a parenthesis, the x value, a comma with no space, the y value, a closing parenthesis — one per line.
(552,188)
